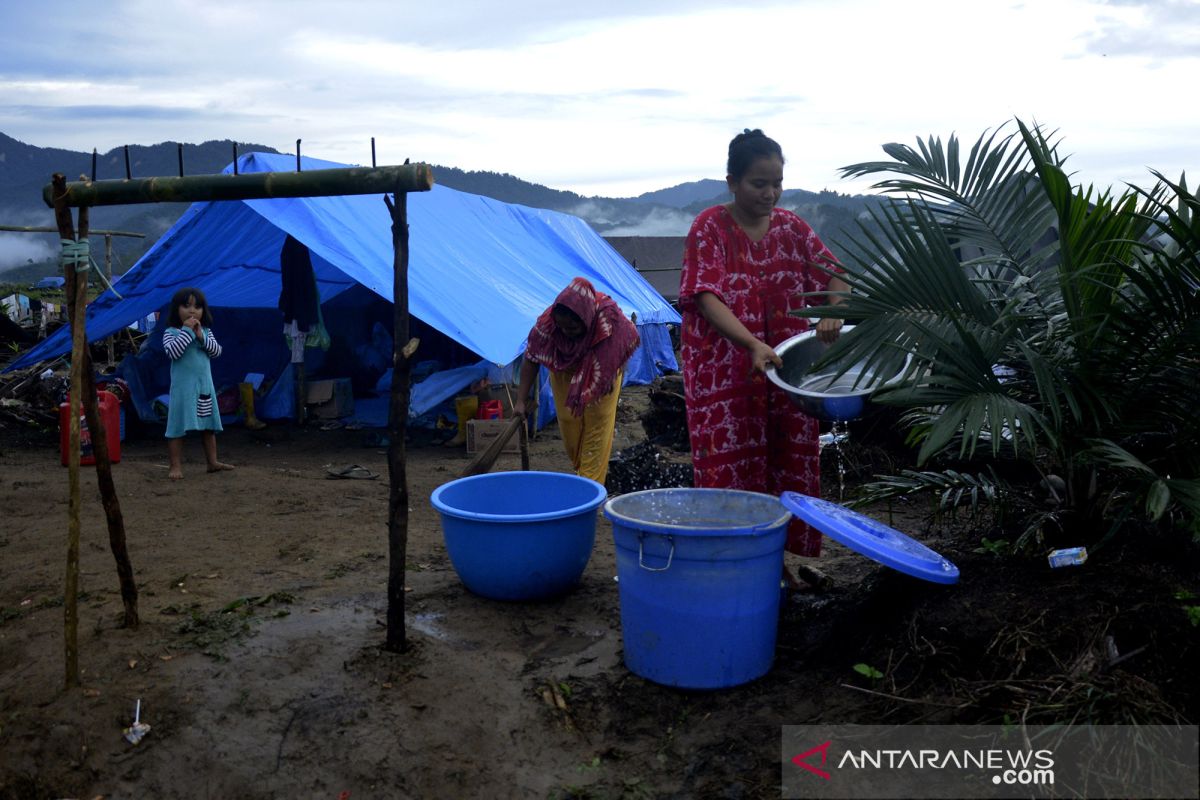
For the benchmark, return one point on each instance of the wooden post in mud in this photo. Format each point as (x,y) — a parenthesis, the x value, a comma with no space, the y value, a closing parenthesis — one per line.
(83,395)
(112,347)
(76,304)
(397,426)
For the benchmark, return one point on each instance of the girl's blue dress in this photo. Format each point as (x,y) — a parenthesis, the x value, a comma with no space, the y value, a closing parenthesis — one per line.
(193,405)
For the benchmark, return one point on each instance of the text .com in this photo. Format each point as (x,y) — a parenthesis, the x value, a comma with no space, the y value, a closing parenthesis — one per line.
(1025,777)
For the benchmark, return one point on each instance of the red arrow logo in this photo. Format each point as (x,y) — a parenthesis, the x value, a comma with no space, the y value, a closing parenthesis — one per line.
(800,762)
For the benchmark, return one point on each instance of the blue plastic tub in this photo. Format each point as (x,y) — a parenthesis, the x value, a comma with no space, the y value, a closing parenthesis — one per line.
(519,535)
(698,571)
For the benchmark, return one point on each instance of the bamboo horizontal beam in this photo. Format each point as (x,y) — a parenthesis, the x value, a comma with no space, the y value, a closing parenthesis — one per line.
(27,229)
(247,186)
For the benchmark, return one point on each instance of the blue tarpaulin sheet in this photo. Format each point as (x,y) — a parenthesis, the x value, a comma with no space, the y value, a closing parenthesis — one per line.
(480,271)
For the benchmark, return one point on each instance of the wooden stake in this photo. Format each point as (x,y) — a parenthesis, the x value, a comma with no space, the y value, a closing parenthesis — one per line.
(77,290)
(484,461)
(83,396)
(109,499)
(112,348)
(397,426)
(525,445)
(298,379)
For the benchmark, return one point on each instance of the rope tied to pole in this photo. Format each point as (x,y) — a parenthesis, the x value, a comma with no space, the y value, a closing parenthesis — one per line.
(75,254)
(79,255)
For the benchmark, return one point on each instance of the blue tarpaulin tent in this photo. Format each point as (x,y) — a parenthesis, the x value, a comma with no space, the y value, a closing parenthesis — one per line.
(480,271)
(51,282)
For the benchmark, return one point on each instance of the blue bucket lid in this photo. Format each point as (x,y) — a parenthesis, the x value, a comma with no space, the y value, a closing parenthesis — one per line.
(872,538)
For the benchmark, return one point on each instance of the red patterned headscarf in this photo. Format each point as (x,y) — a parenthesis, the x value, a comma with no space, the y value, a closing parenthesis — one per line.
(596,357)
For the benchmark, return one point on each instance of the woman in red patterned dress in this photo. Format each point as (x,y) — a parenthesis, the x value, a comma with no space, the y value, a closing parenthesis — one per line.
(745,267)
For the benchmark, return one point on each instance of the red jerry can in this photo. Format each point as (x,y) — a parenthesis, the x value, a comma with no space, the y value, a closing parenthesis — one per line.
(490,409)
(109,408)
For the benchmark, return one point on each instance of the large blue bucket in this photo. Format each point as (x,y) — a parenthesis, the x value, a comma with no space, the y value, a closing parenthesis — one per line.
(519,535)
(699,571)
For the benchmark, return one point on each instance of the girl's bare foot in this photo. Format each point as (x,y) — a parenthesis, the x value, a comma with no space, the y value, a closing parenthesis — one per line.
(175,473)
(219,466)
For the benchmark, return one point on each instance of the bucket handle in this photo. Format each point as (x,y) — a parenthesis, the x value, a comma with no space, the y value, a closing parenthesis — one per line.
(670,555)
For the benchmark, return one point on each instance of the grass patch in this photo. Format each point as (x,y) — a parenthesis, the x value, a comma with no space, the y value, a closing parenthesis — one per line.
(9,613)
(211,632)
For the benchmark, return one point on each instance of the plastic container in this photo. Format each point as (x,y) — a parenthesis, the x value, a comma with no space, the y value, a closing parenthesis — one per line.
(519,535)
(1068,557)
(698,575)
(118,388)
(490,409)
(110,414)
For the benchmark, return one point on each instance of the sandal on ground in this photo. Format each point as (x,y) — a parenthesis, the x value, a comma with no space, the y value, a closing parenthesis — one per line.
(351,471)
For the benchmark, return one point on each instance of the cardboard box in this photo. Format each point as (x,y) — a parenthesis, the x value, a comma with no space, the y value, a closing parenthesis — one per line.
(330,399)
(481,433)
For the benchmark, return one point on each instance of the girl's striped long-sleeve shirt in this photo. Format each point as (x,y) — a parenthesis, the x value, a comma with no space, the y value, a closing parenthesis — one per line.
(176,341)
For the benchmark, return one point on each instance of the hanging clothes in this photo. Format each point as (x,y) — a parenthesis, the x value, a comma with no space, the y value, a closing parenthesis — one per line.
(299,301)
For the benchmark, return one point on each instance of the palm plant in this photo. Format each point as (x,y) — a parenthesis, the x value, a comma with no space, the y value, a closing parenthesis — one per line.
(1054,332)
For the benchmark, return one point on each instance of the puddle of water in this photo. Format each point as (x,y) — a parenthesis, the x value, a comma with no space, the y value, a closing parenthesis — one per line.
(427,623)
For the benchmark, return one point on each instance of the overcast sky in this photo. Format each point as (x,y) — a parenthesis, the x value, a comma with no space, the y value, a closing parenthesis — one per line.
(608,98)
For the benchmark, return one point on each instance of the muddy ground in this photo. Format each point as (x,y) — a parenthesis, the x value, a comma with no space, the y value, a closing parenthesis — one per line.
(259,666)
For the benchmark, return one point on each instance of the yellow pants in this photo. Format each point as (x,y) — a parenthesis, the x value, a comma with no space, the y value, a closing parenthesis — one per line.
(588,439)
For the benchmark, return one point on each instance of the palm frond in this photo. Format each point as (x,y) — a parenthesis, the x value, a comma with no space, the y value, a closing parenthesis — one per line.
(1040,322)
(988,206)
(953,489)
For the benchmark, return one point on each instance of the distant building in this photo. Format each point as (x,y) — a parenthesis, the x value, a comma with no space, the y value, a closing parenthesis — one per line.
(15,307)
(659,259)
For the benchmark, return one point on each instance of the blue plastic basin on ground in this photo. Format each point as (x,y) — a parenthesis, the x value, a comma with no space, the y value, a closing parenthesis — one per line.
(698,571)
(519,535)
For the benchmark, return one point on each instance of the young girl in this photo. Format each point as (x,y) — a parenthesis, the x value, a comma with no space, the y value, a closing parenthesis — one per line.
(189,343)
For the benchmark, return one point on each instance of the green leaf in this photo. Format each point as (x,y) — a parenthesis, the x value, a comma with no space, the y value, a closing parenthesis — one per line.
(868,671)
(1157,500)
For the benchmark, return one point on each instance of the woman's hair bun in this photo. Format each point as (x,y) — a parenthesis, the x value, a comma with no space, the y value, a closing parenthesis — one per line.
(747,146)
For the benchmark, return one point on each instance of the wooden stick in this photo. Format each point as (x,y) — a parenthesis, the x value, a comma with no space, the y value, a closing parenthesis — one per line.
(66,229)
(111,501)
(42,229)
(102,458)
(899,699)
(112,347)
(484,461)
(525,446)
(397,426)
(301,394)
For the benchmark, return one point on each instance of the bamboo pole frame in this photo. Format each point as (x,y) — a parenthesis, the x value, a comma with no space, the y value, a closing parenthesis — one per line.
(400,180)
(44,229)
(247,186)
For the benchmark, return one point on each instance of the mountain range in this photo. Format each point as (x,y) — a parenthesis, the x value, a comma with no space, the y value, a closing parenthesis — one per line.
(25,169)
